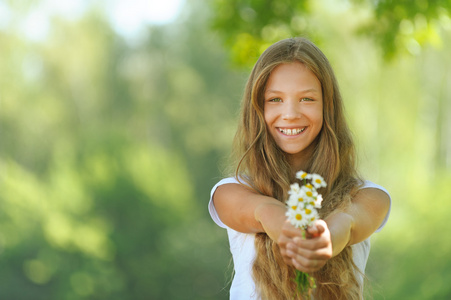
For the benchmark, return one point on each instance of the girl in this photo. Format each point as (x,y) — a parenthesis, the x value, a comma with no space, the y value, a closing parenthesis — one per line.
(292,119)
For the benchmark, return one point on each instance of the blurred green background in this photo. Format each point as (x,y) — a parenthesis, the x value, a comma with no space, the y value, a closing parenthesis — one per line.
(116,120)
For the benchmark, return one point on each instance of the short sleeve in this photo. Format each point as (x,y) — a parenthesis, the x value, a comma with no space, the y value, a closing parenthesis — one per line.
(369,184)
(211,206)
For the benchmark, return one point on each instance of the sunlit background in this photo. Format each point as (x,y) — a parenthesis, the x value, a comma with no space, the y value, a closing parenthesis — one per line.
(116,119)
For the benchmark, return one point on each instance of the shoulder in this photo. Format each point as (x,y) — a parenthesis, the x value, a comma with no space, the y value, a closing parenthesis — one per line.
(223,181)
(227,180)
(375,192)
(366,184)
(376,200)
(211,204)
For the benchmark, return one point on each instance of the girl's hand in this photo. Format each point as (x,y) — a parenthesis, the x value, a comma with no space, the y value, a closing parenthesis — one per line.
(307,254)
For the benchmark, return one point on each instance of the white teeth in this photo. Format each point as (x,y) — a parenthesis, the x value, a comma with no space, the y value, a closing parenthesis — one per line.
(291,131)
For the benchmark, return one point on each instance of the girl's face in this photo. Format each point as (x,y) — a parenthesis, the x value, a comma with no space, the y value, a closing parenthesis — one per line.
(294,109)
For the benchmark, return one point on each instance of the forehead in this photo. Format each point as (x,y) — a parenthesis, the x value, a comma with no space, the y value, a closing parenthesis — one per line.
(292,76)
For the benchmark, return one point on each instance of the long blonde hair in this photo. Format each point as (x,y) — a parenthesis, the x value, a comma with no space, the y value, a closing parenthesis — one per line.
(264,166)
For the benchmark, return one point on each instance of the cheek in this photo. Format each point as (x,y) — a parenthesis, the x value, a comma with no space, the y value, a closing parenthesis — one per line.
(268,117)
(315,115)
(320,116)
(319,120)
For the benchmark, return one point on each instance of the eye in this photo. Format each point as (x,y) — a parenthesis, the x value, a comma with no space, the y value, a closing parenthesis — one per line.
(306,99)
(275,100)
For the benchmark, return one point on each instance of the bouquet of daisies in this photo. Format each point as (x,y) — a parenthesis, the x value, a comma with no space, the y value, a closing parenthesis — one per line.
(302,204)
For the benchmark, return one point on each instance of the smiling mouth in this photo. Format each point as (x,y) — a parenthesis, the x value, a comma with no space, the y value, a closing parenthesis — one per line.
(292,131)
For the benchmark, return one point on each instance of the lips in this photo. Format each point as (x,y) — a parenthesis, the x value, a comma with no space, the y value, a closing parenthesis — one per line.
(292,131)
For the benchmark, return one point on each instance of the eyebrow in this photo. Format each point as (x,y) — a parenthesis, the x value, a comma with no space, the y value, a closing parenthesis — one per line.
(312,90)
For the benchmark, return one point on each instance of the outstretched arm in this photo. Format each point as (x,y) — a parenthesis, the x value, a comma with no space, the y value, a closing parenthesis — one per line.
(362,218)
(244,210)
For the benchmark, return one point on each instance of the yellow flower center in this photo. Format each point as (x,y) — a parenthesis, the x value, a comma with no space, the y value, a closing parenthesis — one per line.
(309,185)
(308,211)
(294,207)
(318,180)
(304,175)
(298,217)
(309,193)
(300,199)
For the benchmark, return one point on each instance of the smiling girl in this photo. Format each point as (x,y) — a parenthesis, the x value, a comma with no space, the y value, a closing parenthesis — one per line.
(292,119)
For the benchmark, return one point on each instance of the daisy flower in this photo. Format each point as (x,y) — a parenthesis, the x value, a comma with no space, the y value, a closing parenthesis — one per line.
(293,202)
(311,213)
(303,201)
(301,175)
(302,204)
(297,217)
(309,191)
(318,181)
(294,188)
(318,201)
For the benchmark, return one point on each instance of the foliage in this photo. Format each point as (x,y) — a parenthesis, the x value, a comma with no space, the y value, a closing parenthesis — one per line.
(108,150)
(106,161)
(248,27)
(397,109)
(407,26)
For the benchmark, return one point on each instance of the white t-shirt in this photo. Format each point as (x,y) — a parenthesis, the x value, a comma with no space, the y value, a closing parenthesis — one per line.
(243,250)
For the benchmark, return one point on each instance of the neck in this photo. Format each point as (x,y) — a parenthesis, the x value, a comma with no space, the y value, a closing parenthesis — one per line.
(299,163)
(302,160)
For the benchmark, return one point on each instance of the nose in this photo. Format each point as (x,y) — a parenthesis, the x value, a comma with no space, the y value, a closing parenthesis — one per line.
(291,110)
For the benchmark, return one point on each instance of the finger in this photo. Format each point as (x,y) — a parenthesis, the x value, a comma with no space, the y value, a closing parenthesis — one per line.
(320,226)
(311,260)
(287,257)
(283,240)
(311,244)
(290,231)
(307,266)
(310,249)
(288,261)
(288,251)
(316,229)
(321,254)
(312,231)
